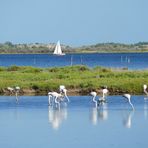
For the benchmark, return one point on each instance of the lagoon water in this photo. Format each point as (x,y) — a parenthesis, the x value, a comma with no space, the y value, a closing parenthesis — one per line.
(33,124)
(117,60)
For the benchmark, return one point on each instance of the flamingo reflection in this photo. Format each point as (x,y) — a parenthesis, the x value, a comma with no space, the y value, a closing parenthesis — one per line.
(100,114)
(127,120)
(103,113)
(56,116)
(94,116)
(145,109)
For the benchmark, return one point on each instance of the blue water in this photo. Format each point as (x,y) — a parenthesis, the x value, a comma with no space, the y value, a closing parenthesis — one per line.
(33,124)
(117,60)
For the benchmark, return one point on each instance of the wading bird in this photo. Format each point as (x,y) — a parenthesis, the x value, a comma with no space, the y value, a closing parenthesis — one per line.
(94,94)
(63,90)
(56,97)
(17,90)
(104,91)
(11,90)
(14,90)
(145,89)
(128,97)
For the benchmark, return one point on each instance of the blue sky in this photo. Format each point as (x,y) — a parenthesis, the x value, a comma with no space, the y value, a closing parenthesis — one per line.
(73,22)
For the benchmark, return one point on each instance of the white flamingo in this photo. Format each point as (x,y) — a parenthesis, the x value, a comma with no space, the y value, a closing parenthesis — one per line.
(94,94)
(14,90)
(104,91)
(11,90)
(17,89)
(61,88)
(56,96)
(145,89)
(128,97)
(64,91)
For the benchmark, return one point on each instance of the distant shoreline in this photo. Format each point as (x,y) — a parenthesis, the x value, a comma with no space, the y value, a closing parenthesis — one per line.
(40,48)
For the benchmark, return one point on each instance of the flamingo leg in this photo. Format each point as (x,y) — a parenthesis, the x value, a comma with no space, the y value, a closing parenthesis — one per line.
(57,102)
(67,97)
(50,100)
(16,95)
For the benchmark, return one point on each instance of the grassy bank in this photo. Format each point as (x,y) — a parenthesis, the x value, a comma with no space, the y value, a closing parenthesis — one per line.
(77,79)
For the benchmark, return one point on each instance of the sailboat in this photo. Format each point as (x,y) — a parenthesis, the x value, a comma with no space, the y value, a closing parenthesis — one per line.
(58,50)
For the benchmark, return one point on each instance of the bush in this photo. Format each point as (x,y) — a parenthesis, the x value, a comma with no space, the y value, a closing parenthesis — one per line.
(32,69)
(35,87)
(13,68)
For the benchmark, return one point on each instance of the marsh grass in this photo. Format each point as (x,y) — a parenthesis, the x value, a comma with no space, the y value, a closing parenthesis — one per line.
(79,77)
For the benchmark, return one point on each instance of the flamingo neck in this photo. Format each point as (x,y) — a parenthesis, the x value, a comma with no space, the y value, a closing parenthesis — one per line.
(146,92)
(131,104)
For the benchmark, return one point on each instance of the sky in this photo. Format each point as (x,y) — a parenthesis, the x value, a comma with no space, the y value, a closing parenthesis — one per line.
(73,22)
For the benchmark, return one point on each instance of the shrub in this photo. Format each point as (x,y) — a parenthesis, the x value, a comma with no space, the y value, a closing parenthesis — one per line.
(13,68)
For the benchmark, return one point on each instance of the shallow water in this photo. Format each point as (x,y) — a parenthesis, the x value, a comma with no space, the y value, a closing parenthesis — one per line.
(117,60)
(33,124)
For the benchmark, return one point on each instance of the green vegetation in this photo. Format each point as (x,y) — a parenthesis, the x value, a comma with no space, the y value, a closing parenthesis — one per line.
(8,47)
(115,47)
(79,79)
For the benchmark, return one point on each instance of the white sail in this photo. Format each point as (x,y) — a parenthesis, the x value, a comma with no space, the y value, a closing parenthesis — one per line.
(58,50)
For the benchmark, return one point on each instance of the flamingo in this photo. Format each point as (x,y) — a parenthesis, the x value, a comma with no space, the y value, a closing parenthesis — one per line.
(14,90)
(128,97)
(10,89)
(17,89)
(61,88)
(144,89)
(57,98)
(64,91)
(104,92)
(94,94)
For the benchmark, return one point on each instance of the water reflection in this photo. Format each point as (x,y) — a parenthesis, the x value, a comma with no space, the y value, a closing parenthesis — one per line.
(146,98)
(127,120)
(56,116)
(103,112)
(145,108)
(99,114)
(93,115)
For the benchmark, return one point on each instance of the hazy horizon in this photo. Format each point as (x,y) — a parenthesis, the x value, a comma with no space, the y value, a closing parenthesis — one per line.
(74,22)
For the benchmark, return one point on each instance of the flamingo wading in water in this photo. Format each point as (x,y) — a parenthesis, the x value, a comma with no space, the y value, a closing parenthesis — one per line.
(145,89)
(57,98)
(94,94)
(63,90)
(128,97)
(104,91)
